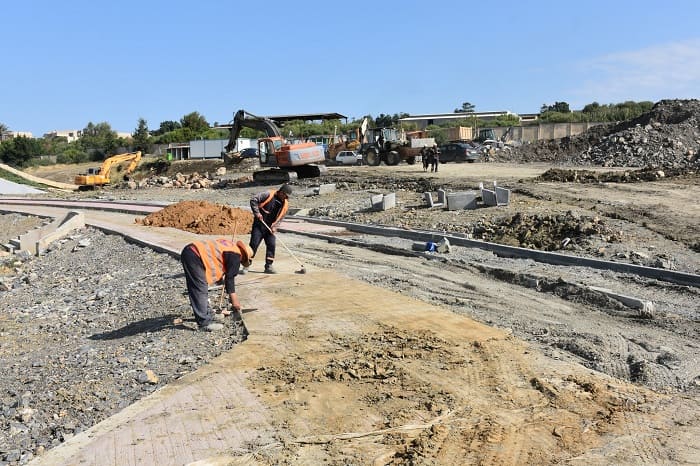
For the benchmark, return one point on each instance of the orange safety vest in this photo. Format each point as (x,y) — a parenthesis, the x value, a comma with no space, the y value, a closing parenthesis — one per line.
(283,210)
(212,255)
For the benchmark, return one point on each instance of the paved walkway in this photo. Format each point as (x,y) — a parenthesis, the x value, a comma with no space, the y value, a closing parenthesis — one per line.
(209,413)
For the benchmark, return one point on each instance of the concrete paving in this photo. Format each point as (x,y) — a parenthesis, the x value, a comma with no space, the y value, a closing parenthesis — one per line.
(209,413)
(8,187)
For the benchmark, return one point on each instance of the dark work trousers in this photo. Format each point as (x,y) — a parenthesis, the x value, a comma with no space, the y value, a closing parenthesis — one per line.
(258,233)
(197,287)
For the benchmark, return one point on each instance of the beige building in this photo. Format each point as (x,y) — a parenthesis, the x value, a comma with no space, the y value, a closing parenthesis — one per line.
(74,134)
(70,134)
(15,134)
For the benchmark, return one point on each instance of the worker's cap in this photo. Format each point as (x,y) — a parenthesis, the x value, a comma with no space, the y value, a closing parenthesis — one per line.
(286,189)
(246,253)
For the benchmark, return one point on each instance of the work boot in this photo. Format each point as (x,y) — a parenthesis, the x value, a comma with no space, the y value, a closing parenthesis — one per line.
(211,327)
(269,269)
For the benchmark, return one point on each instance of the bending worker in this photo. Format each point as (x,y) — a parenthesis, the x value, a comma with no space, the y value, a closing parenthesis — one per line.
(269,209)
(207,262)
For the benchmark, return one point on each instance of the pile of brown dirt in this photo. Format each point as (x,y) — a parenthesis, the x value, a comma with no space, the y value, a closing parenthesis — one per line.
(201,217)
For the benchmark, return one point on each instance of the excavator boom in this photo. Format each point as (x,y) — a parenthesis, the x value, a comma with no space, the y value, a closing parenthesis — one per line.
(100,177)
(243,119)
(284,161)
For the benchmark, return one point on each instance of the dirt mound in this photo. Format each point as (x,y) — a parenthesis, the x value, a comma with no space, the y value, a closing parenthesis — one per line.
(545,232)
(668,136)
(627,176)
(201,217)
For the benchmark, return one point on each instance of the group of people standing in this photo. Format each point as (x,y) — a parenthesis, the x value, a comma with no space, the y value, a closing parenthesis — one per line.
(431,158)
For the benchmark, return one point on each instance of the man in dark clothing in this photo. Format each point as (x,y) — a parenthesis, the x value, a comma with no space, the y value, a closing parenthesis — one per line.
(435,160)
(424,157)
(269,209)
(207,262)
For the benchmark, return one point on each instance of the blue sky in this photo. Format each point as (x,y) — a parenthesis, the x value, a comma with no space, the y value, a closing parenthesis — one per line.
(65,64)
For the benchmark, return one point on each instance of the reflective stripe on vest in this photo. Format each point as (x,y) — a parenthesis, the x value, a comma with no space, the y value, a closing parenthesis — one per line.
(212,255)
(283,210)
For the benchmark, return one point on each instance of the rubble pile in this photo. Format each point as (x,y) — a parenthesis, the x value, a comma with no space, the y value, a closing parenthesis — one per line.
(627,176)
(179,180)
(545,232)
(668,136)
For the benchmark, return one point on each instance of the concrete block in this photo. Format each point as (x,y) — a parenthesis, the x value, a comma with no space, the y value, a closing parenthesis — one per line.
(645,308)
(60,228)
(389,201)
(442,197)
(488,197)
(383,201)
(461,200)
(38,239)
(502,196)
(428,198)
(326,188)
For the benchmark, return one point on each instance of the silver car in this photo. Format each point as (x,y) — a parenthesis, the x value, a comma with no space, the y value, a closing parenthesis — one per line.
(348,157)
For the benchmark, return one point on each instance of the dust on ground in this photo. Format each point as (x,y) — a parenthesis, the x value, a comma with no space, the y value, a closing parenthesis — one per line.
(201,217)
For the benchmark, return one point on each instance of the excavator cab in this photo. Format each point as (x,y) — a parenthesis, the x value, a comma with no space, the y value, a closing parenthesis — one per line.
(266,150)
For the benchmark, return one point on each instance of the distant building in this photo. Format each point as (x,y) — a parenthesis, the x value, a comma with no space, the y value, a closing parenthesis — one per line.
(15,134)
(204,148)
(75,134)
(70,134)
(423,121)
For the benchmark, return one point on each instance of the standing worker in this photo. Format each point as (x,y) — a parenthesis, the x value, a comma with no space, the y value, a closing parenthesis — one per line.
(207,262)
(269,209)
(424,157)
(435,161)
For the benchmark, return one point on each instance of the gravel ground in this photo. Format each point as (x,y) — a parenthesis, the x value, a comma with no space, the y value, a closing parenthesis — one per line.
(84,336)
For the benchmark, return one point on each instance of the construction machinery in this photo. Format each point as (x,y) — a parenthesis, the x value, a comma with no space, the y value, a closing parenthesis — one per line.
(387,145)
(284,161)
(349,141)
(96,177)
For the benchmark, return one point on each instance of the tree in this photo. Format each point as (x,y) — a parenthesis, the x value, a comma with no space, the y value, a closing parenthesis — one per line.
(561,107)
(466,108)
(19,151)
(166,127)
(99,140)
(3,129)
(142,138)
(194,121)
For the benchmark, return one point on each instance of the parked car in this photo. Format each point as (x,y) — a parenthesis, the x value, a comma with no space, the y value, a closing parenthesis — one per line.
(458,152)
(249,153)
(348,157)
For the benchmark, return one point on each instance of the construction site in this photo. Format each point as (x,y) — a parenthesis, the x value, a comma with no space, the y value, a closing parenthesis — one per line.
(538,307)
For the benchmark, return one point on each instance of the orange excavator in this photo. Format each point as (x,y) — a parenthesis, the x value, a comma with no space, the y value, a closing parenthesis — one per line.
(96,177)
(284,161)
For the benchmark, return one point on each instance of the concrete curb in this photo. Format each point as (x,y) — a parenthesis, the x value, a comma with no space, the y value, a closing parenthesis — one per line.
(680,278)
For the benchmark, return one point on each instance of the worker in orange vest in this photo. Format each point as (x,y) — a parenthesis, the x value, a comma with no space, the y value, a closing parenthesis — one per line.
(208,262)
(269,209)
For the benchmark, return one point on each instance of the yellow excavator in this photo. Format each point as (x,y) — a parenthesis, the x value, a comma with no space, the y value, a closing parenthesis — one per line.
(96,177)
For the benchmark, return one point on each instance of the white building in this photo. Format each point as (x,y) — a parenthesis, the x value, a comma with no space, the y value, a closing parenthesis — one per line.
(70,134)
(15,134)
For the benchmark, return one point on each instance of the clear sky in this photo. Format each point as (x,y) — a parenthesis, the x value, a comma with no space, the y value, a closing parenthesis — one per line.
(67,63)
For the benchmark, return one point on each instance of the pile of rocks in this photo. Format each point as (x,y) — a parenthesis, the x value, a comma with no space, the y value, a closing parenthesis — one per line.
(545,232)
(88,328)
(668,136)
